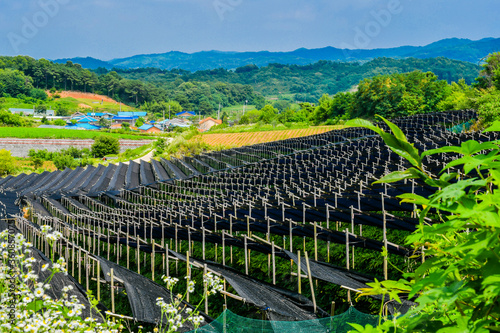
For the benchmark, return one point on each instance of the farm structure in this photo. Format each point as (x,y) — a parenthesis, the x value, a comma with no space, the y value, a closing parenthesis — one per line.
(318,188)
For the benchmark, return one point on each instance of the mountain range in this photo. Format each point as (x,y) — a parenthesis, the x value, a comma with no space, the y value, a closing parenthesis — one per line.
(452,48)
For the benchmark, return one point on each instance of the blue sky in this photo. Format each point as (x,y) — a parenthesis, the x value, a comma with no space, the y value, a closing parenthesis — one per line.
(107,29)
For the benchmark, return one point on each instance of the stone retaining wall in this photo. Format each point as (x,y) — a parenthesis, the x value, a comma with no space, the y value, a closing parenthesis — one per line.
(21,147)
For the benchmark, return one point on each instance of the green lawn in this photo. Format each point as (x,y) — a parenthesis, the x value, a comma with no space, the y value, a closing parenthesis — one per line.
(49,133)
(69,103)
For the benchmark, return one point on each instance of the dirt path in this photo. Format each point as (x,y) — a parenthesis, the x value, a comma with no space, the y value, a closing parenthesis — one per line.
(146,158)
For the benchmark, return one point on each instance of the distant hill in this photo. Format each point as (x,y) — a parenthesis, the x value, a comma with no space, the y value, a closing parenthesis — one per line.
(88,62)
(452,48)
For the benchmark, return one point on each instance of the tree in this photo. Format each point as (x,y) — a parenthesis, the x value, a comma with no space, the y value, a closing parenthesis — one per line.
(125,126)
(490,75)
(37,162)
(399,94)
(61,111)
(105,145)
(63,161)
(41,109)
(104,123)
(59,122)
(7,163)
(268,113)
(139,122)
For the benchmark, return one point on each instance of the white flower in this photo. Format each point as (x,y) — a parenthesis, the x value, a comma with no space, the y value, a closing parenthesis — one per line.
(46,228)
(39,292)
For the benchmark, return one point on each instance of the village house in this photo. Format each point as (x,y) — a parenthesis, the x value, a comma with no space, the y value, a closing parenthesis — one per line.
(146,128)
(207,123)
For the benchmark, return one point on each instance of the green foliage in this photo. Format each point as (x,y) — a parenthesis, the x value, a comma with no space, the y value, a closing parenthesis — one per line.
(490,75)
(160,145)
(125,126)
(332,107)
(38,94)
(399,94)
(250,117)
(104,123)
(457,287)
(41,109)
(7,163)
(105,145)
(488,106)
(268,113)
(37,162)
(307,82)
(59,122)
(61,111)
(63,161)
(14,82)
(9,119)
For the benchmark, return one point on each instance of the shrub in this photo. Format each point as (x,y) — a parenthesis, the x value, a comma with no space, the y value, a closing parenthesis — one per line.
(105,145)
(65,161)
(7,163)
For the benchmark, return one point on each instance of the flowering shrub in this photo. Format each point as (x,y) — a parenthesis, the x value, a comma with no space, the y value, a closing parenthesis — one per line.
(25,306)
(172,312)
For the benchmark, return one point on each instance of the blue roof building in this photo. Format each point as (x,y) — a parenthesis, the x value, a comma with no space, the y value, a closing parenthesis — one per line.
(100,114)
(132,114)
(86,119)
(85,126)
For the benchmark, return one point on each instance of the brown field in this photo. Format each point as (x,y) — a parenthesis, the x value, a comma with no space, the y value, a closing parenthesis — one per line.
(82,95)
(251,138)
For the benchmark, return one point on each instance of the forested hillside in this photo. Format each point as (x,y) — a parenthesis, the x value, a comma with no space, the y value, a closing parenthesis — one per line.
(27,79)
(308,82)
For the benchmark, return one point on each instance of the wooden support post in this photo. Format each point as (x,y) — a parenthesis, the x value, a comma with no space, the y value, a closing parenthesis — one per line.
(311,282)
(188,273)
(246,253)
(203,242)
(112,292)
(316,241)
(138,255)
(153,261)
(167,259)
(332,309)
(98,280)
(299,273)
(223,248)
(79,266)
(205,288)
(86,260)
(274,264)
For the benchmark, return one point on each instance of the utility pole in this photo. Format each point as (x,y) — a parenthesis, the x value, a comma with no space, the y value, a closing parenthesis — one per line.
(218,113)
(163,127)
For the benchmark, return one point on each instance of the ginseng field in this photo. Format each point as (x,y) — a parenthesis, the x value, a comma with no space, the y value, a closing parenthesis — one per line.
(291,225)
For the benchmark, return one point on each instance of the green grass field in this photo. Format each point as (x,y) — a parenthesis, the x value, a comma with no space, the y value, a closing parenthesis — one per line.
(69,103)
(49,133)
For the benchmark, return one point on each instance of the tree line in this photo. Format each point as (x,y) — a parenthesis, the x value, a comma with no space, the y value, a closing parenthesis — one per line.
(394,95)
(307,83)
(23,76)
